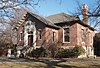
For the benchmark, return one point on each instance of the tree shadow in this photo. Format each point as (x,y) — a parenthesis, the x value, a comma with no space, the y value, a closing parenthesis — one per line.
(53,64)
(57,63)
(95,66)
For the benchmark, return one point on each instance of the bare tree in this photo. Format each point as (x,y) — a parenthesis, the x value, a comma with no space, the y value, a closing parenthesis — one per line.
(93,13)
(10,15)
(9,10)
(9,7)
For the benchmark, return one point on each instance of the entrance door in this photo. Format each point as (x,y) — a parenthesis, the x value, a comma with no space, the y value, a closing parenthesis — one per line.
(30,39)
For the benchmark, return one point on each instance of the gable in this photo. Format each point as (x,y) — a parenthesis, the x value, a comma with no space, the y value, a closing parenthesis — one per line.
(38,24)
(43,20)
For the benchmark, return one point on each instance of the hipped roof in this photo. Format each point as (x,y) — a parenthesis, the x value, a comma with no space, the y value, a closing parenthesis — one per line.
(62,17)
(59,18)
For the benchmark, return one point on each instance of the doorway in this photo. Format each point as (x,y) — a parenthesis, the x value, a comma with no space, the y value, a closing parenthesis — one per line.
(30,38)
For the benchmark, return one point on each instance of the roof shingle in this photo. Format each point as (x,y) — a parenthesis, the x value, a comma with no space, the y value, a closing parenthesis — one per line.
(62,17)
(44,20)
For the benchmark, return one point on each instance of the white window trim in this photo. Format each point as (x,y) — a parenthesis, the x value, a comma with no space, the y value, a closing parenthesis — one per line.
(63,35)
(56,35)
(20,35)
(82,28)
(90,38)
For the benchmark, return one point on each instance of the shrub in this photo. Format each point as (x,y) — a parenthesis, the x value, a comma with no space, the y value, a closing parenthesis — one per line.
(70,53)
(38,52)
(78,50)
(65,53)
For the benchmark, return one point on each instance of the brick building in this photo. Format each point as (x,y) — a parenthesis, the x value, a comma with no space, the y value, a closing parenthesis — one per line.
(37,31)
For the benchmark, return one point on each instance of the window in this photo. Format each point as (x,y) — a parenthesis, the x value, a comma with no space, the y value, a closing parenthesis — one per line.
(66,35)
(21,36)
(40,34)
(53,36)
(90,37)
(82,35)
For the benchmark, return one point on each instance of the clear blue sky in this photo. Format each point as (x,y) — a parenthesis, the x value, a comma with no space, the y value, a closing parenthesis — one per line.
(50,7)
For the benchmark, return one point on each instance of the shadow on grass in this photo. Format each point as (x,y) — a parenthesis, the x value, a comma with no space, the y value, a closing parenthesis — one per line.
(56,64)
(51,64)
(95,66)
(47,63)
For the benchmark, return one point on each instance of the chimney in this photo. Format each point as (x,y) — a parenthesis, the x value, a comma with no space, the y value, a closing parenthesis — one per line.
(85,13)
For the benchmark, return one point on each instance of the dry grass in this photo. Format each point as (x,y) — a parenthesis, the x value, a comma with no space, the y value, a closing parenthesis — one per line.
(50,64)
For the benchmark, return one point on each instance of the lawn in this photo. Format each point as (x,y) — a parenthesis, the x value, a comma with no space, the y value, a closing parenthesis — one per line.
(37,64)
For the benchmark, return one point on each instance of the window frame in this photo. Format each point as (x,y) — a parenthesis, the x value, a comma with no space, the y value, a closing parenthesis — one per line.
(82,36)
(64,35)
(21,36)
(53,35)
(90,37)
(40,34)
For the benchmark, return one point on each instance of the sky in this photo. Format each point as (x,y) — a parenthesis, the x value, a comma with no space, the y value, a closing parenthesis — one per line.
(50,7)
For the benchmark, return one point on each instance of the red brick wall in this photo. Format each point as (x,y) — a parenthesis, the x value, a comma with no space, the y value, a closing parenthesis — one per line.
(79,34)
(75,35)
(40,42)
(49,35)
(20,42)
(46,32)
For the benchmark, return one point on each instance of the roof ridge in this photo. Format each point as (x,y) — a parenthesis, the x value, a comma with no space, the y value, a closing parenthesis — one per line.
(58,14)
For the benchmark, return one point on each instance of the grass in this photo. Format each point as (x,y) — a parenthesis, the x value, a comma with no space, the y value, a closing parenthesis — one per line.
(36,64)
